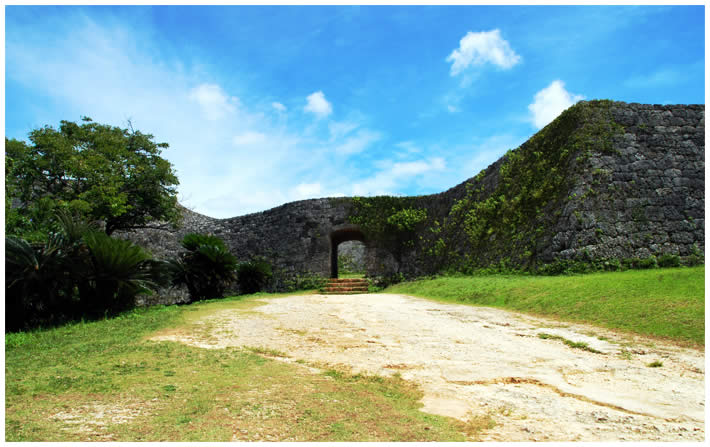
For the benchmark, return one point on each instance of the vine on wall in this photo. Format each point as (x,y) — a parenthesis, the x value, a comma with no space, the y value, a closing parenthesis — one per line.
(508,225)
(391,222)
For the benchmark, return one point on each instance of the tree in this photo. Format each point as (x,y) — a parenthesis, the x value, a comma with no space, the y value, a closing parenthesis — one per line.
(102,172)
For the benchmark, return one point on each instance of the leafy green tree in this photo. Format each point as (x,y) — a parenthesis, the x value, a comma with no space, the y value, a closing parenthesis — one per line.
(103,172)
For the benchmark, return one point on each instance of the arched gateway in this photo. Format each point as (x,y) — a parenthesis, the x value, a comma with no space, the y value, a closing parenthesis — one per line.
(340,234)
(616,221)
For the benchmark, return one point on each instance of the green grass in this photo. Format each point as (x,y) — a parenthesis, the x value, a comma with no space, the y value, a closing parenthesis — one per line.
(667,303)
(351,275)
(105,380)
(572,344)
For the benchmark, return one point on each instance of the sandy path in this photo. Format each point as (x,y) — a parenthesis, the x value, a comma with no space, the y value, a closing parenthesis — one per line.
(471,361)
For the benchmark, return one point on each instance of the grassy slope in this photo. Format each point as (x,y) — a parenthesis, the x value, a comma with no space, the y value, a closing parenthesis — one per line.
(664,302)
(61,381)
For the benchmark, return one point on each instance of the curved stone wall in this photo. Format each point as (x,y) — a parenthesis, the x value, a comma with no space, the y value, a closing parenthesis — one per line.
(644,196)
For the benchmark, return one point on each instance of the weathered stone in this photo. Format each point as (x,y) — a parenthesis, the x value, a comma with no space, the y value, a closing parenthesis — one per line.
(653,183)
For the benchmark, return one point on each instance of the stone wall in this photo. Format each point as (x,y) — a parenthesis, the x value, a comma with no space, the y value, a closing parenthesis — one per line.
(643,196)
(648,198)
(353,255)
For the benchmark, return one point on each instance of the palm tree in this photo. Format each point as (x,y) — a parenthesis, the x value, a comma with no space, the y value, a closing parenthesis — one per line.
(118,270)
(38,281)
(206,269)
(78,271)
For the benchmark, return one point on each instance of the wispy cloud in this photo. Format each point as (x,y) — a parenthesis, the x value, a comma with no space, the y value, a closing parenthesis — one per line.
(664,77)
(225,151)
(485,47)
(306,190)
(408,148)
(214,102)
(318,105)
(339,129)
(550,102)
(392,174)
(232,155)
(249,138)
(358,142)
(278,107)
(488,151)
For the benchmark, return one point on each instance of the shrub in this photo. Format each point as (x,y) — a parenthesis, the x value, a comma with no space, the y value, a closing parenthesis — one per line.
(117,270)
(253,275)
(39,285)
(693,260)
(193,241)
(638,263)
(306,281)
(648,263)
(385,281)
(611,265)
(669,260)
(76,272)
(206,269)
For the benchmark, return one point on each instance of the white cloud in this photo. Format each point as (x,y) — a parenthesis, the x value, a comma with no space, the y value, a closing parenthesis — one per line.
(318,105)
(278,106)
(408,148)
(340,129)
(101,71)
(489,151)
(215,103)
(663,77)
(550,102)
(405,169)
(481,48)
(357,143)
(306,191)
(231,157)
(249,138)
(392,175)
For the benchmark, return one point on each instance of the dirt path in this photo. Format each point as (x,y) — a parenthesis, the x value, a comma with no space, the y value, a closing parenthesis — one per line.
(473,361)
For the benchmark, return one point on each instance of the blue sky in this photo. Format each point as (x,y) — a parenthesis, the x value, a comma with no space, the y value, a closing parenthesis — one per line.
(264,105)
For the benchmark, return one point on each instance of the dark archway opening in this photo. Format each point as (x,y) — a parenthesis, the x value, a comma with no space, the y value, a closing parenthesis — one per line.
(337,237)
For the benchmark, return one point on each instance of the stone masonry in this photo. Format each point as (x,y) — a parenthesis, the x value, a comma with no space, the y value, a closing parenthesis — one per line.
(645,197)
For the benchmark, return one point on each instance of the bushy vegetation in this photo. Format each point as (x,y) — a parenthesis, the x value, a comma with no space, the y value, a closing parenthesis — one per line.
(393,222)
(507,223)
(207,268)
(254,275)
(78,272)
(501,227)
(66,191)
(305,281)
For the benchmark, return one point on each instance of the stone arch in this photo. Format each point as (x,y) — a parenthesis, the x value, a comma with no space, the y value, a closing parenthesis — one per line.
(339,235)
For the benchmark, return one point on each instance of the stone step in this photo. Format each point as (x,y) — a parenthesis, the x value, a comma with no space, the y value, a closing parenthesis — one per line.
(345,289)
(343,293)
(347,284)
(347,280)
(343,286)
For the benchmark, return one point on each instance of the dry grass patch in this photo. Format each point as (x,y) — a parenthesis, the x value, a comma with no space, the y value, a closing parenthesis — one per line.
(106,381)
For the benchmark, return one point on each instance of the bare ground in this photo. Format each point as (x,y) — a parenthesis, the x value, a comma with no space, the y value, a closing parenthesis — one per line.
(474,361)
